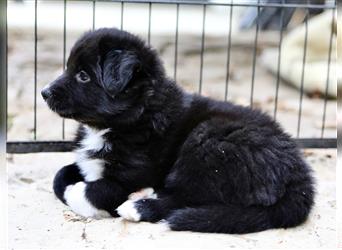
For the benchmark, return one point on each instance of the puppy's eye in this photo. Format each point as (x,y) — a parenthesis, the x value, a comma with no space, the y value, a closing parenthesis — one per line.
(82,77)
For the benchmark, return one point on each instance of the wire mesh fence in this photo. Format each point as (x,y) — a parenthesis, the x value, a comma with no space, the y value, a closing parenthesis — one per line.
(201,30)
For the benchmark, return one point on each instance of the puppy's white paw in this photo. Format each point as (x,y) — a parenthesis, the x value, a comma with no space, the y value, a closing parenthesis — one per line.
(128,211)
(145,193)
(76,199)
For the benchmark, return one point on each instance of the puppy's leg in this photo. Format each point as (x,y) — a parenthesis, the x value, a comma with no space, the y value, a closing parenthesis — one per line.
(152,210)
(95,199)
(66,176)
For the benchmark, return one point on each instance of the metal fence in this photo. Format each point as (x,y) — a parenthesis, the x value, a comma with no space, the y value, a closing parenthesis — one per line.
(63,145)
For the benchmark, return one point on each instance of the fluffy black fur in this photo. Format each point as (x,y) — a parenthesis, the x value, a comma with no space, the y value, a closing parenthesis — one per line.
(216,166)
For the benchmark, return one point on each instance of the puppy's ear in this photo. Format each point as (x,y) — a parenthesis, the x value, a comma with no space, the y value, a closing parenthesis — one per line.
(119,68)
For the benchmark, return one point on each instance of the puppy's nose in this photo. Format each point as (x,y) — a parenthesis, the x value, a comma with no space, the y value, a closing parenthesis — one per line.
(46,93)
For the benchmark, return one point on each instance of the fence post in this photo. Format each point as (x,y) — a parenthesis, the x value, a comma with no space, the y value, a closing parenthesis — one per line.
(3,73)
(3,76)
(3,123)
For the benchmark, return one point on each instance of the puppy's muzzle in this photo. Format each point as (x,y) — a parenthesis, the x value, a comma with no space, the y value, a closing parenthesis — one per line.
(48,89)
(46,93)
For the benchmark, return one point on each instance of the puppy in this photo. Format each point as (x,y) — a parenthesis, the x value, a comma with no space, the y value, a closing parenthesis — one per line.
(196,163)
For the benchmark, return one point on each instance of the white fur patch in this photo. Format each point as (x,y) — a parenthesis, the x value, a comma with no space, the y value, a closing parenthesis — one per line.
(128,211)
(145,193)
(94,139)
(77,201)
(91,169)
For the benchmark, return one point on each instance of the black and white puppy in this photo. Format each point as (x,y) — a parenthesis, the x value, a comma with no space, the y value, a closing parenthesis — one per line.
(214,166)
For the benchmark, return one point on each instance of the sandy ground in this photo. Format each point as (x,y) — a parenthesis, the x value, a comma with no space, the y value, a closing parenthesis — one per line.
(37,220)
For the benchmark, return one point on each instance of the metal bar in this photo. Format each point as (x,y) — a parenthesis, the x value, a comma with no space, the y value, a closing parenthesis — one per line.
(149,23)
(3,118)
(229,45)
(202,49)
(328,77)
(35,69)
(176,45)
(3,74)
(255,55)
(6,67)
(94,13)
(21,147)
(122,15)
(279,62)
(316,142)
(220,3)
(303,74)
(64,56)
(39,146)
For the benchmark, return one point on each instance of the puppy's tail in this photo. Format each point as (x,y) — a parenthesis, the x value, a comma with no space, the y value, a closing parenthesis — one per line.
(291,210)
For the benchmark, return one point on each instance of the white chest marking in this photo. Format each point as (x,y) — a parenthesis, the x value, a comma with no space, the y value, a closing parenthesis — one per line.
(91,169)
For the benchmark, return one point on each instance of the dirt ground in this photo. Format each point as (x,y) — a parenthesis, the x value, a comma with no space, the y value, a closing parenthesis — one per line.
(37,220)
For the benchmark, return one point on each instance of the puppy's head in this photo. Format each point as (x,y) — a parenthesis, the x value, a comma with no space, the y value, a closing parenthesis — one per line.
(108,79)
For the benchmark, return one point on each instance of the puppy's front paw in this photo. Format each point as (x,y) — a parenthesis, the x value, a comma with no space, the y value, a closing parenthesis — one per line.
(75,197)
(150,210)
(128,211)
(145,193)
